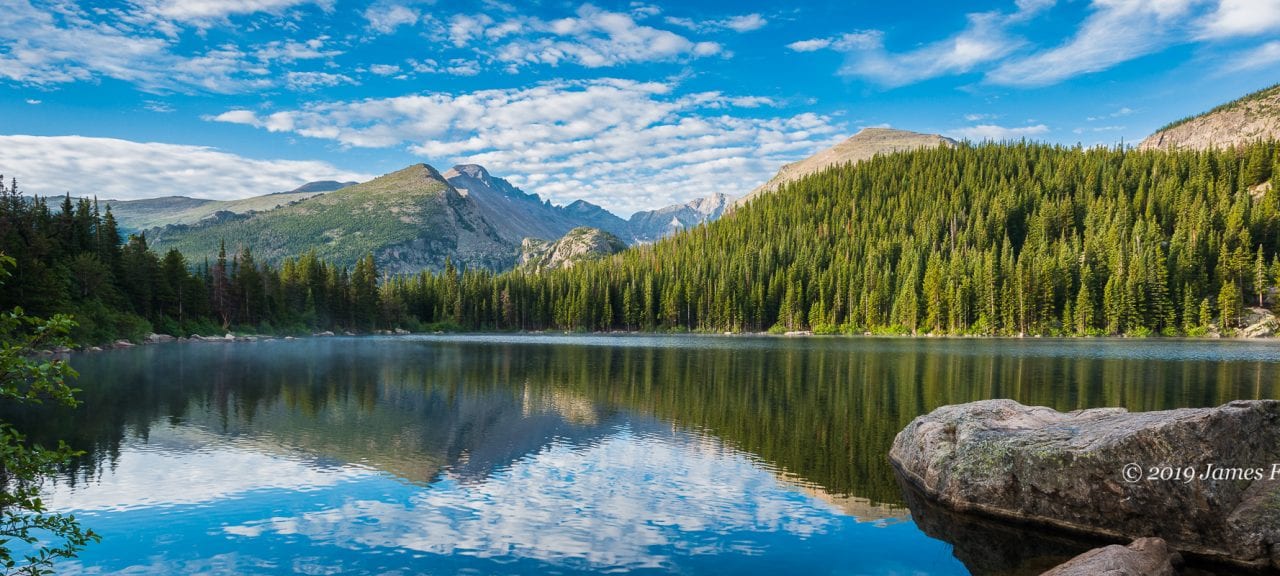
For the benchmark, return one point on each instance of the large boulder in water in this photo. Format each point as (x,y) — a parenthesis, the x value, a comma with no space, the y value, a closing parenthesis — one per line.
(1213,496)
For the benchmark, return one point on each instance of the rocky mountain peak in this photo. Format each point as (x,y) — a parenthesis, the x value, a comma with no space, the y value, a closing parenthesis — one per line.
(419,171)
(471,171)
(1248,119)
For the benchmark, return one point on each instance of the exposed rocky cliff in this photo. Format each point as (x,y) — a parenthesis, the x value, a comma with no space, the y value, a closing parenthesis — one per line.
(1090,472)
(1248,119)
(578,245)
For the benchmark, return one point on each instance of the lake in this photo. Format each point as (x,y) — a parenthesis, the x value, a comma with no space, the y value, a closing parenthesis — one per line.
(567,454)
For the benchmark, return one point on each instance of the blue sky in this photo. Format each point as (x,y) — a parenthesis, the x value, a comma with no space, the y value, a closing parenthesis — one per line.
(631,105)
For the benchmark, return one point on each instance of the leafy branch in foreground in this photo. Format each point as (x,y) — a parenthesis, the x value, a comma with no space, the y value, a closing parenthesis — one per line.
(24,519)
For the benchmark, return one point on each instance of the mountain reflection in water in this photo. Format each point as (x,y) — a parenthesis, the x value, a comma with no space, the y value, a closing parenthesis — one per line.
(563,454)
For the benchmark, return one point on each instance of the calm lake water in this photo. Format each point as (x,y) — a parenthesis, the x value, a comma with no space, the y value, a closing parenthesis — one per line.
(548,454)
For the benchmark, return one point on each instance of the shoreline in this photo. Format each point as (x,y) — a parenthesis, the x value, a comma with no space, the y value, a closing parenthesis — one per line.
(229,338)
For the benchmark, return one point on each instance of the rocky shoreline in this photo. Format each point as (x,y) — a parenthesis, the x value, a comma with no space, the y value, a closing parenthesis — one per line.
(1203,480)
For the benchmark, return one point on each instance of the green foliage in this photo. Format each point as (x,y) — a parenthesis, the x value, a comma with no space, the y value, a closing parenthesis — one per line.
(24,466)
(989,239)
(992,239)
(405,214)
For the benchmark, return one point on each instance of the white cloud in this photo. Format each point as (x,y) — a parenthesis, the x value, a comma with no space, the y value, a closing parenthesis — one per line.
(33,101)
(455,67)
(1242,18)
(307,81)
(44,46)
(643,10)
(158,106)
(1119,113)
(290,51)
(1261,57)
(862,40)
(983,41)
(123,169)
(998,133)
(625,144)
(203,11)
(1115,31)
(812,45)
(463,28)
(385,69)
(462,67)
(592,37)
(1112,32)
(386,17)
(742,23)
(746,23)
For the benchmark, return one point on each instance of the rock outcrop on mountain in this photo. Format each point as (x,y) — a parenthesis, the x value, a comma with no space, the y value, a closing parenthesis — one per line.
(1202,479)
(653,225)
(864,145)
(514,214)
(1248,119)
(578,245)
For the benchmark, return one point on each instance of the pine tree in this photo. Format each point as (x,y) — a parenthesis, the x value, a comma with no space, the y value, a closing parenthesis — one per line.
(1259,275)
(1229,306)
(221,288)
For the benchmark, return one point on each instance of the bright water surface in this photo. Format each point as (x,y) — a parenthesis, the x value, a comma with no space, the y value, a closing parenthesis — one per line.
(548,454)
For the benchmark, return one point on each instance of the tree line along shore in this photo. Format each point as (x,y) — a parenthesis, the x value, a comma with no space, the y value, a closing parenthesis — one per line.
(989,239)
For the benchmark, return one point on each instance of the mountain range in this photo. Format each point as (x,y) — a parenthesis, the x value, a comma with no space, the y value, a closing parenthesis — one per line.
(415,218)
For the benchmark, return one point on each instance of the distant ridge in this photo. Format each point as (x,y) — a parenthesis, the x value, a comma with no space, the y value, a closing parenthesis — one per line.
(1253,117)
(864,145)
(319,186)
(517,215)
(652,225)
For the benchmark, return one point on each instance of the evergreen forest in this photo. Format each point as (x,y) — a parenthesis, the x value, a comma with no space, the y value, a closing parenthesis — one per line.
(976,239)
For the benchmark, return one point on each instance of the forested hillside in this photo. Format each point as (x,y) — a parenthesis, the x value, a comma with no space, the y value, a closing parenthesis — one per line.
(991,239)
(70,260)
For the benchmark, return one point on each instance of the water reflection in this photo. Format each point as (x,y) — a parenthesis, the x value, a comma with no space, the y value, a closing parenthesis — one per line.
(518,454)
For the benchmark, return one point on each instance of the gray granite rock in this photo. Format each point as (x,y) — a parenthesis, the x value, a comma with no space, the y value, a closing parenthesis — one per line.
(1144,557)
(1068,471)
